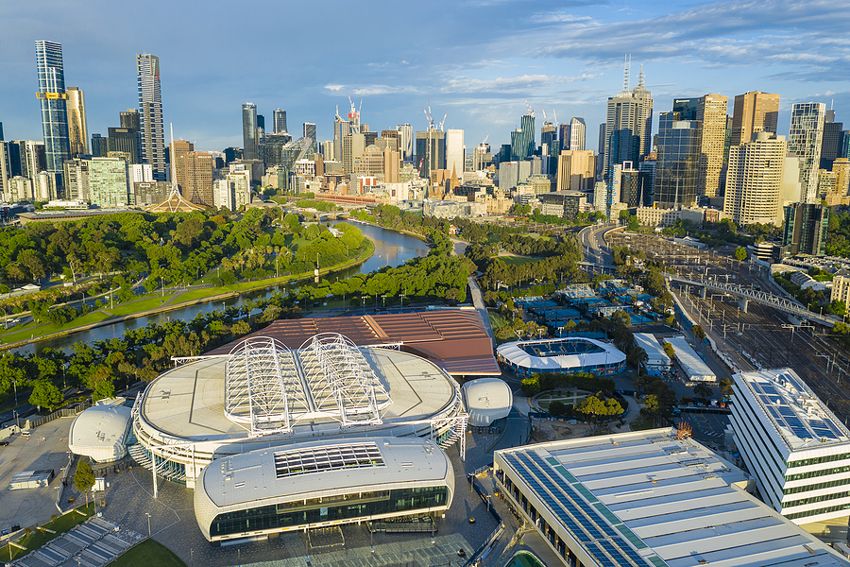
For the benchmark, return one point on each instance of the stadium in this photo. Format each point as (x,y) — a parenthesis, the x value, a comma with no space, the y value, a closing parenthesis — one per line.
(569,355)
(263,394)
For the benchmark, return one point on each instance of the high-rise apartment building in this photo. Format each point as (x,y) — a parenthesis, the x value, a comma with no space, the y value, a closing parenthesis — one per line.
(753,112)
(151,124)
(279,118)
(53,99)
(76,179)
(576,170)
(754,180)
(78,136)
(677,166)
(405,137)
(454,151)
(193,172)
(628,125)
(804,141)
(353,146)
(250,142)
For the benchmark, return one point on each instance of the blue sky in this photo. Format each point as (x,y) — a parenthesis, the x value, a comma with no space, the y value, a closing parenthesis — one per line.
(479,61)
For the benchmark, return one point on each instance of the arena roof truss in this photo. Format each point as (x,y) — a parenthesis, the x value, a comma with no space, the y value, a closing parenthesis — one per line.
(341,381)
(269,388)
(263,388)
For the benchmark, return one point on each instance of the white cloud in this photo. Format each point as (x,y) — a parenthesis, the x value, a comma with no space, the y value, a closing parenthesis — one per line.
(334,88)
(370,90)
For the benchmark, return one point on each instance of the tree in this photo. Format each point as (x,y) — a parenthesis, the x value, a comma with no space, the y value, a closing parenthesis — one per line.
(726,387)
(699,332)
(84,477)
(651,404)
(530,385)
(557,408)
(46,395)
(668,350)
(741,253)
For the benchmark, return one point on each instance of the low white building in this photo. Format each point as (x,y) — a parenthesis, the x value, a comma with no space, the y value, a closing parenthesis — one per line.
(101,431)
(487,400)
(657,360)
(694,367)
(797,450)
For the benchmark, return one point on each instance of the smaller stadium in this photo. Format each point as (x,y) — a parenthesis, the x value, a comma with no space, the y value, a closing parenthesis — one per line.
(568,355)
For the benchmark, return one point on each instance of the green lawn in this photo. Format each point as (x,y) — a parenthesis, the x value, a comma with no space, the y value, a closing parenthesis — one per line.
(37,538)
(148,554)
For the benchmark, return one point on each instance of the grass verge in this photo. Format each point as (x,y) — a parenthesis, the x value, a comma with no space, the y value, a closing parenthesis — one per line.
(147,554)
(57,526)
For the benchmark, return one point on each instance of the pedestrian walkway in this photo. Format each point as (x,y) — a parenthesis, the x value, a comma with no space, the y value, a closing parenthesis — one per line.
(478,302)
(93,543)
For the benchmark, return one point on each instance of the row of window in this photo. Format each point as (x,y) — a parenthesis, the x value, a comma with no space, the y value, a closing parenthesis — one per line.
(816,486)
(819,460)
(821,472)
(818,511)
(814,499)
(299,513)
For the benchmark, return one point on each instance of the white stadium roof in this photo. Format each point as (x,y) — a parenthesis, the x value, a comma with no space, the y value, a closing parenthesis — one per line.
(486,400)
(802,419)
(514,353)
(100,431)
(650,499)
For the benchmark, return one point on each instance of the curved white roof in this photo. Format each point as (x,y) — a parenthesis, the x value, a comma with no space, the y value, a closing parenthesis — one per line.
(486,400)
(99,432)
(516,354)
(300,471)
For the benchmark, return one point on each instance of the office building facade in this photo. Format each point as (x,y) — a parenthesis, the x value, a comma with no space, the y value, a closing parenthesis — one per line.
(628,125)
(250,142)
(53,100)
(108,182)
(279,119)
(754,180)
(753,112)
(78,136)
(804,141)
(677,166)
(805,229)
(151,124)
(454,151)
(576,170)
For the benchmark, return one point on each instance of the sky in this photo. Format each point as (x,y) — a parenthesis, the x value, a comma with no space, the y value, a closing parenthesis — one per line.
(482,63)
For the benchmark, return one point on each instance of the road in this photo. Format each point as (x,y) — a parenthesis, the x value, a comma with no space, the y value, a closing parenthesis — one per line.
(596,250)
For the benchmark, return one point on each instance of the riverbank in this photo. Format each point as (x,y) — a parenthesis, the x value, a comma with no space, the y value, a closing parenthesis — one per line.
(155,303)
(410,233)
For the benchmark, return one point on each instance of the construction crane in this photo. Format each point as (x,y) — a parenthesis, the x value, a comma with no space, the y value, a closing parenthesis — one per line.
(428,117)
(443,122)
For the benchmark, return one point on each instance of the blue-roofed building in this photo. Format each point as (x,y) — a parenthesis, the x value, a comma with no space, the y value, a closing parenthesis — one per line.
(649,499)
(797,450)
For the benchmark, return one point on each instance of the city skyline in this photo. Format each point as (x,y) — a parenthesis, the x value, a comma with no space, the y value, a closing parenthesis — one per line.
(480,79)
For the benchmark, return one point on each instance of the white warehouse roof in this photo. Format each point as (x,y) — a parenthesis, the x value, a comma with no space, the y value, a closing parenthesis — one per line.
(694,366)
(557,354)
(653,349)
(649,498)
(486,400)
(100,431)
(802,419)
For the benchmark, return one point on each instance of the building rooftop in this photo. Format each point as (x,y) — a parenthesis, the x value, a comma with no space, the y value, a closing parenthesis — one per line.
(654,351)
(694,366)
(454,339)
(649,498)
(486,400)
(802,419)
(191,402)
(296,471)
(555,354)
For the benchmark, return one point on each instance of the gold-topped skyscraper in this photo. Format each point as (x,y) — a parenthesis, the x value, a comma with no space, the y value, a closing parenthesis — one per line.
(77,131)
(754,111)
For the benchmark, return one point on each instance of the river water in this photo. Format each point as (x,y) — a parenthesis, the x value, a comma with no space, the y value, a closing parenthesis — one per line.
(391,249)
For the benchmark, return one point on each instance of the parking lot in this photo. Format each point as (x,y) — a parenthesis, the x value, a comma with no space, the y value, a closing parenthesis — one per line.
(45,448)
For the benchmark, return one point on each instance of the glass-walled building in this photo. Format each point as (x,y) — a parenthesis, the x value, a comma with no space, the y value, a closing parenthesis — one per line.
(677,167)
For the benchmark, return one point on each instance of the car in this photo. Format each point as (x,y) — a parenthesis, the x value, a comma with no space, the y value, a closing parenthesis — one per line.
(4,443)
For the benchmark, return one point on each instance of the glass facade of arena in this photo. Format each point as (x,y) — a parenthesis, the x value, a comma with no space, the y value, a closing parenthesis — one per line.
(331,509)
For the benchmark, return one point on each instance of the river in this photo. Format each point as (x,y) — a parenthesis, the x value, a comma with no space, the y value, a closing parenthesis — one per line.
(391,249)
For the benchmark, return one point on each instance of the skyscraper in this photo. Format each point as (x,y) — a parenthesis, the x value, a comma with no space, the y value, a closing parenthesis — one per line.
(99,145)
(78,136)
(5,168)
(309,131)
(279,117)
(405,138)
(754,180)
(677,168)
(576,135)
(710,112)
(430,151)
(250,144)
(151,123)
(805,229)
(454,151)
(832,137)
(576,170)
(804,141)
(754,111)
(53,98)
(549,148)
(522,139)
(628,124)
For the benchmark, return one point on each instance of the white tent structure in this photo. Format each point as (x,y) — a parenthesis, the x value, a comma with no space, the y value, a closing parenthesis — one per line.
(100,432)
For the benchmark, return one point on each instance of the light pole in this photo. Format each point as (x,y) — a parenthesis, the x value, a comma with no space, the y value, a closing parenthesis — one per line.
(149,523)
